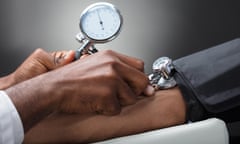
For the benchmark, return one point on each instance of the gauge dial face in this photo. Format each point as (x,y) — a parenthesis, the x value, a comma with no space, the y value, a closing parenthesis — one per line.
(101,22)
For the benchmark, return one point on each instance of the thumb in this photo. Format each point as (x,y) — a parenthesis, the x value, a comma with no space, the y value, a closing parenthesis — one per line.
(149,91)
(62,58)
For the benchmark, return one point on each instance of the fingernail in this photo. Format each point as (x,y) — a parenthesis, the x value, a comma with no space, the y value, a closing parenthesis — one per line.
(149,91)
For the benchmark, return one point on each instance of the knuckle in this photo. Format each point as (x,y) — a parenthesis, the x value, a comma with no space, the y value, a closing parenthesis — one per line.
(111,72)
(140,86)
(108,52)
(39,51)
(111,75)
(112,63)
(140,64)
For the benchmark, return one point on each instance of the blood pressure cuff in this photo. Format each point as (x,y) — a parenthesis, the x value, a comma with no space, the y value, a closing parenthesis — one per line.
(210,81)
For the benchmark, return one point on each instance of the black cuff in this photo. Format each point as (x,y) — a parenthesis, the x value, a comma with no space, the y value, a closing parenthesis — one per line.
(195,111)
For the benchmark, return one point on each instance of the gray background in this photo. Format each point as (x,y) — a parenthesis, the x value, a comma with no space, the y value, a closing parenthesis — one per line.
(152,28)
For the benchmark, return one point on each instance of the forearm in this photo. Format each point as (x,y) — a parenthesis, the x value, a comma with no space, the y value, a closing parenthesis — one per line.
(165,109)
(6,81)
(32,101)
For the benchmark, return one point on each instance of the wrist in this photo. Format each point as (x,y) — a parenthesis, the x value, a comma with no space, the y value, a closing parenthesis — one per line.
(7,81)
(171,108)
(32,100)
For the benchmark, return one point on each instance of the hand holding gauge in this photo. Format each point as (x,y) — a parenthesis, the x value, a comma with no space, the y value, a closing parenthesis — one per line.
(99,23)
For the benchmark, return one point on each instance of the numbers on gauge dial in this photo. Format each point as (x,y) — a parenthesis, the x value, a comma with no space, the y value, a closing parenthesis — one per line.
(101,23)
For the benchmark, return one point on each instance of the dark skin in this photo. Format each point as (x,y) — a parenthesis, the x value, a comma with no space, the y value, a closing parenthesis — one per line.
(166,108)
(147,114)
(70,88)
(37,63)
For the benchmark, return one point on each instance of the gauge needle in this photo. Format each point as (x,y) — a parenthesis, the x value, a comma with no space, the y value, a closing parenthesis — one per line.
(100,20)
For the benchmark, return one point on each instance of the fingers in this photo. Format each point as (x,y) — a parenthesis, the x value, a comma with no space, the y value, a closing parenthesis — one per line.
(133,80)
(116,79)
(61,58)
(43,58)
(139,83)
(112,103)
(53,60)
(136,79)
(129,69)
(131,61)
(67,58)
(125,95)
(149,91)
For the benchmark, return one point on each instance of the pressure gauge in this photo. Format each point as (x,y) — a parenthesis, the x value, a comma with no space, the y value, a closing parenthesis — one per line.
(99,23)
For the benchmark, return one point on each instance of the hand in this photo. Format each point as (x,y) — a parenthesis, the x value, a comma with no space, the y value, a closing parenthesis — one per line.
(105,81)
(37,63)
(166,108)
(101,83)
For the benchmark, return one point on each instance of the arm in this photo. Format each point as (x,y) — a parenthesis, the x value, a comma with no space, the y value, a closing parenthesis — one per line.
(210,82)
(37,63)
(199,76)
(166,108)
(111,78)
